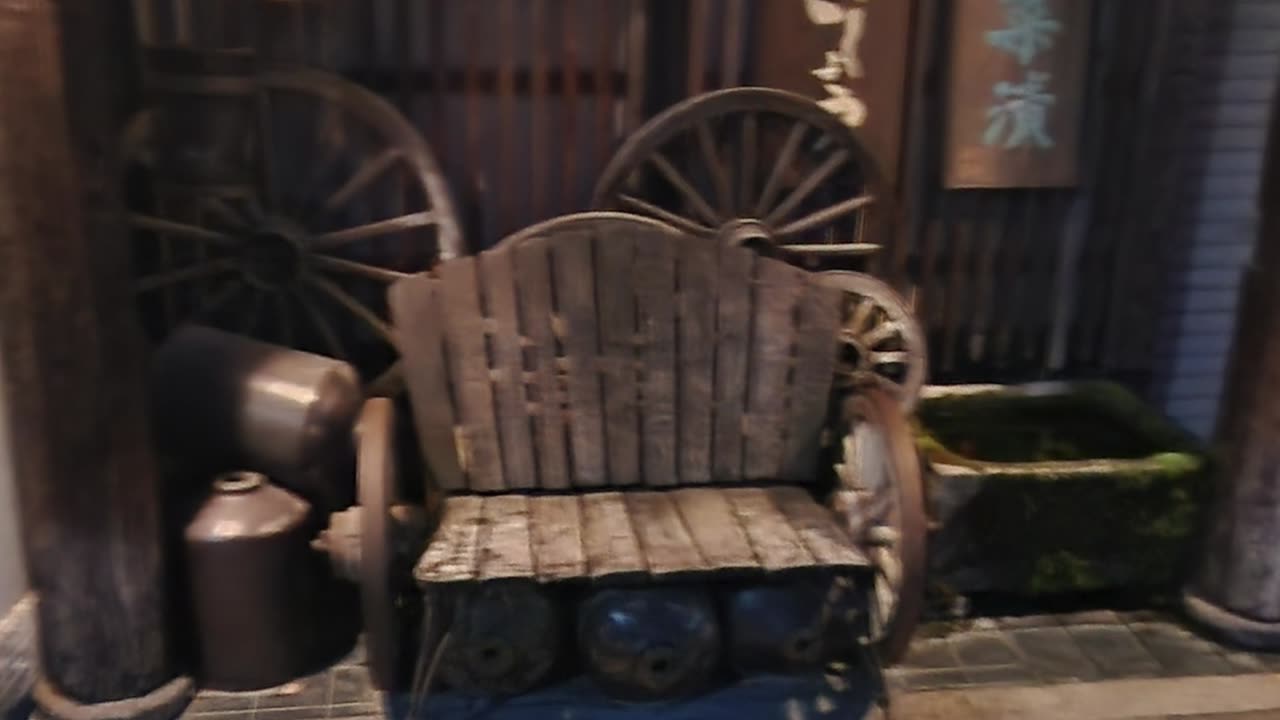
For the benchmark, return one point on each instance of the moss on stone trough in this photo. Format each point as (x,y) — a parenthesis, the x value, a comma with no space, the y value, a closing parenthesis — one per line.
(1057,488)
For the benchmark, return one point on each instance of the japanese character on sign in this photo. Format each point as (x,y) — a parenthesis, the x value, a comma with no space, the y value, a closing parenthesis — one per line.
(843,62)
(1019,114)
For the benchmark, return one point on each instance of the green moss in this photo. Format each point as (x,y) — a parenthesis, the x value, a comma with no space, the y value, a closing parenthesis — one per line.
(1061,570)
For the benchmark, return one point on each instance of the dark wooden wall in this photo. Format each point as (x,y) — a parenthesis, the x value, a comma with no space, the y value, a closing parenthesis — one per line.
(524,100)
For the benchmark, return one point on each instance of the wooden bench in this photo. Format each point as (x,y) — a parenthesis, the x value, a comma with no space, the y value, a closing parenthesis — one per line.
(619,401)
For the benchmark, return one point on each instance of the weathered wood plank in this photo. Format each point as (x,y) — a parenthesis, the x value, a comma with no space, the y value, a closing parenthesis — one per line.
(696,319)
(655,283)
(615,260)
(415,311)
(819,321)
(664,539)
(777,289)
(816,527)
(575,293)
(555,522)
(464,327)
(533,267)
(733,311)
(774,541)
(505,549)
(607,535)
(714,528)
(454,549)
(499,288)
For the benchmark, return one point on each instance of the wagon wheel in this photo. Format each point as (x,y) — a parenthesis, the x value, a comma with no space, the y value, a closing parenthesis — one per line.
(341,197)
(749,166)
(881,497)
(584,221)
(881,343)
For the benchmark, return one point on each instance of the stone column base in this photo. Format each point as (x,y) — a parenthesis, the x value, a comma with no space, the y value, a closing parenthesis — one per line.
(164,703)
(1243,631)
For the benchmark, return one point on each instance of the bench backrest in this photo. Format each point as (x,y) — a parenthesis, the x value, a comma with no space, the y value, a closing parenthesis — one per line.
(616,355)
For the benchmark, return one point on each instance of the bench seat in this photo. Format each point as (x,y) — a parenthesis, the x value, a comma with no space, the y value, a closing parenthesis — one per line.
(638,534)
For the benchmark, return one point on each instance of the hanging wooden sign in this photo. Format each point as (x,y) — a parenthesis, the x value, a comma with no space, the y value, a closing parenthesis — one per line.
(1017,89)
(849,55)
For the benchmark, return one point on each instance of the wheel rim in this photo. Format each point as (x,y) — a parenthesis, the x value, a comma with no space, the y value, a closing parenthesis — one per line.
(746,165)
(881,469)
(597,221)
(376,487)
(299,257)
(881,343)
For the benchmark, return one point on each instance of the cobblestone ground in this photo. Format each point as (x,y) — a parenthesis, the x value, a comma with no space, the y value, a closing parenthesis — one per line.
(1042,651)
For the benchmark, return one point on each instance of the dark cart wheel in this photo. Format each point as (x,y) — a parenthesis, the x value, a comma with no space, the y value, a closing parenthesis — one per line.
(336,197)
(881,497)
(749,165)
(882,344)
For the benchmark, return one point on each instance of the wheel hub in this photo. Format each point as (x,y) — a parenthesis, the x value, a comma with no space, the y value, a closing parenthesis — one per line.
(273,255)
(748,233)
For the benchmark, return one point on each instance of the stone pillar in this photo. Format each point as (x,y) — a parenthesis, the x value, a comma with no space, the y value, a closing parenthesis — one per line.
(87,480)
(1236,591)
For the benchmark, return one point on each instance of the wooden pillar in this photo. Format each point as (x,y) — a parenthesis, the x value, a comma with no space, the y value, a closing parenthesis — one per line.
(87,480)
(1237,589)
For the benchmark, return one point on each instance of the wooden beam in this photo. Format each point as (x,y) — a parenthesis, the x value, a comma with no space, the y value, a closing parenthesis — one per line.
(88,483)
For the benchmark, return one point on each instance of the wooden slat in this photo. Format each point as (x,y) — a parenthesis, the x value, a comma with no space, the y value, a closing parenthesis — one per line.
(816,527)
(556,530)
(469,368)
(696,312)
(607,535)
(713,525)
(451,556)
(615,259)
(814,369)
(415,310)
(575,293)
(516,442)
(775,294)
(775,543)
(655,282)
(504,539)
(664,539)
(733,311)
(533,267)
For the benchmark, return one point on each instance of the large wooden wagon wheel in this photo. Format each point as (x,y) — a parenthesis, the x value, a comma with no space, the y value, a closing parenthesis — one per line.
(749,166)
(598,221)
(880,494)
(292,203)
(881,343)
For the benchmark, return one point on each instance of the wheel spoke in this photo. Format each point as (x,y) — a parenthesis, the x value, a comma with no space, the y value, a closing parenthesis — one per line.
(826,215)
(805,188)
(179,229)
(691,195)
(331,137)
(747,173)
(351,267)
(664,215)
(831,248)
(190,272)
(322,325)
(370,170)
(890,357)
(879,334)
(374,229)
(780,166)
(861,312)
(218,207)
(353,306)
(719,176)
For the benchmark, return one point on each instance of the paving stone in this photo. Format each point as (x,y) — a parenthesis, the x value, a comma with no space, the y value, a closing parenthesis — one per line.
(292,713)
(311,691)
(1000,675)
(1053,654)
(1018,622)
(931,654)
(353,710)
(1148,616)
(1115,650)
(352,685)
(207,701)
(1090,617)
(984,649)
(934,679)
(233,715)
(1179,651)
